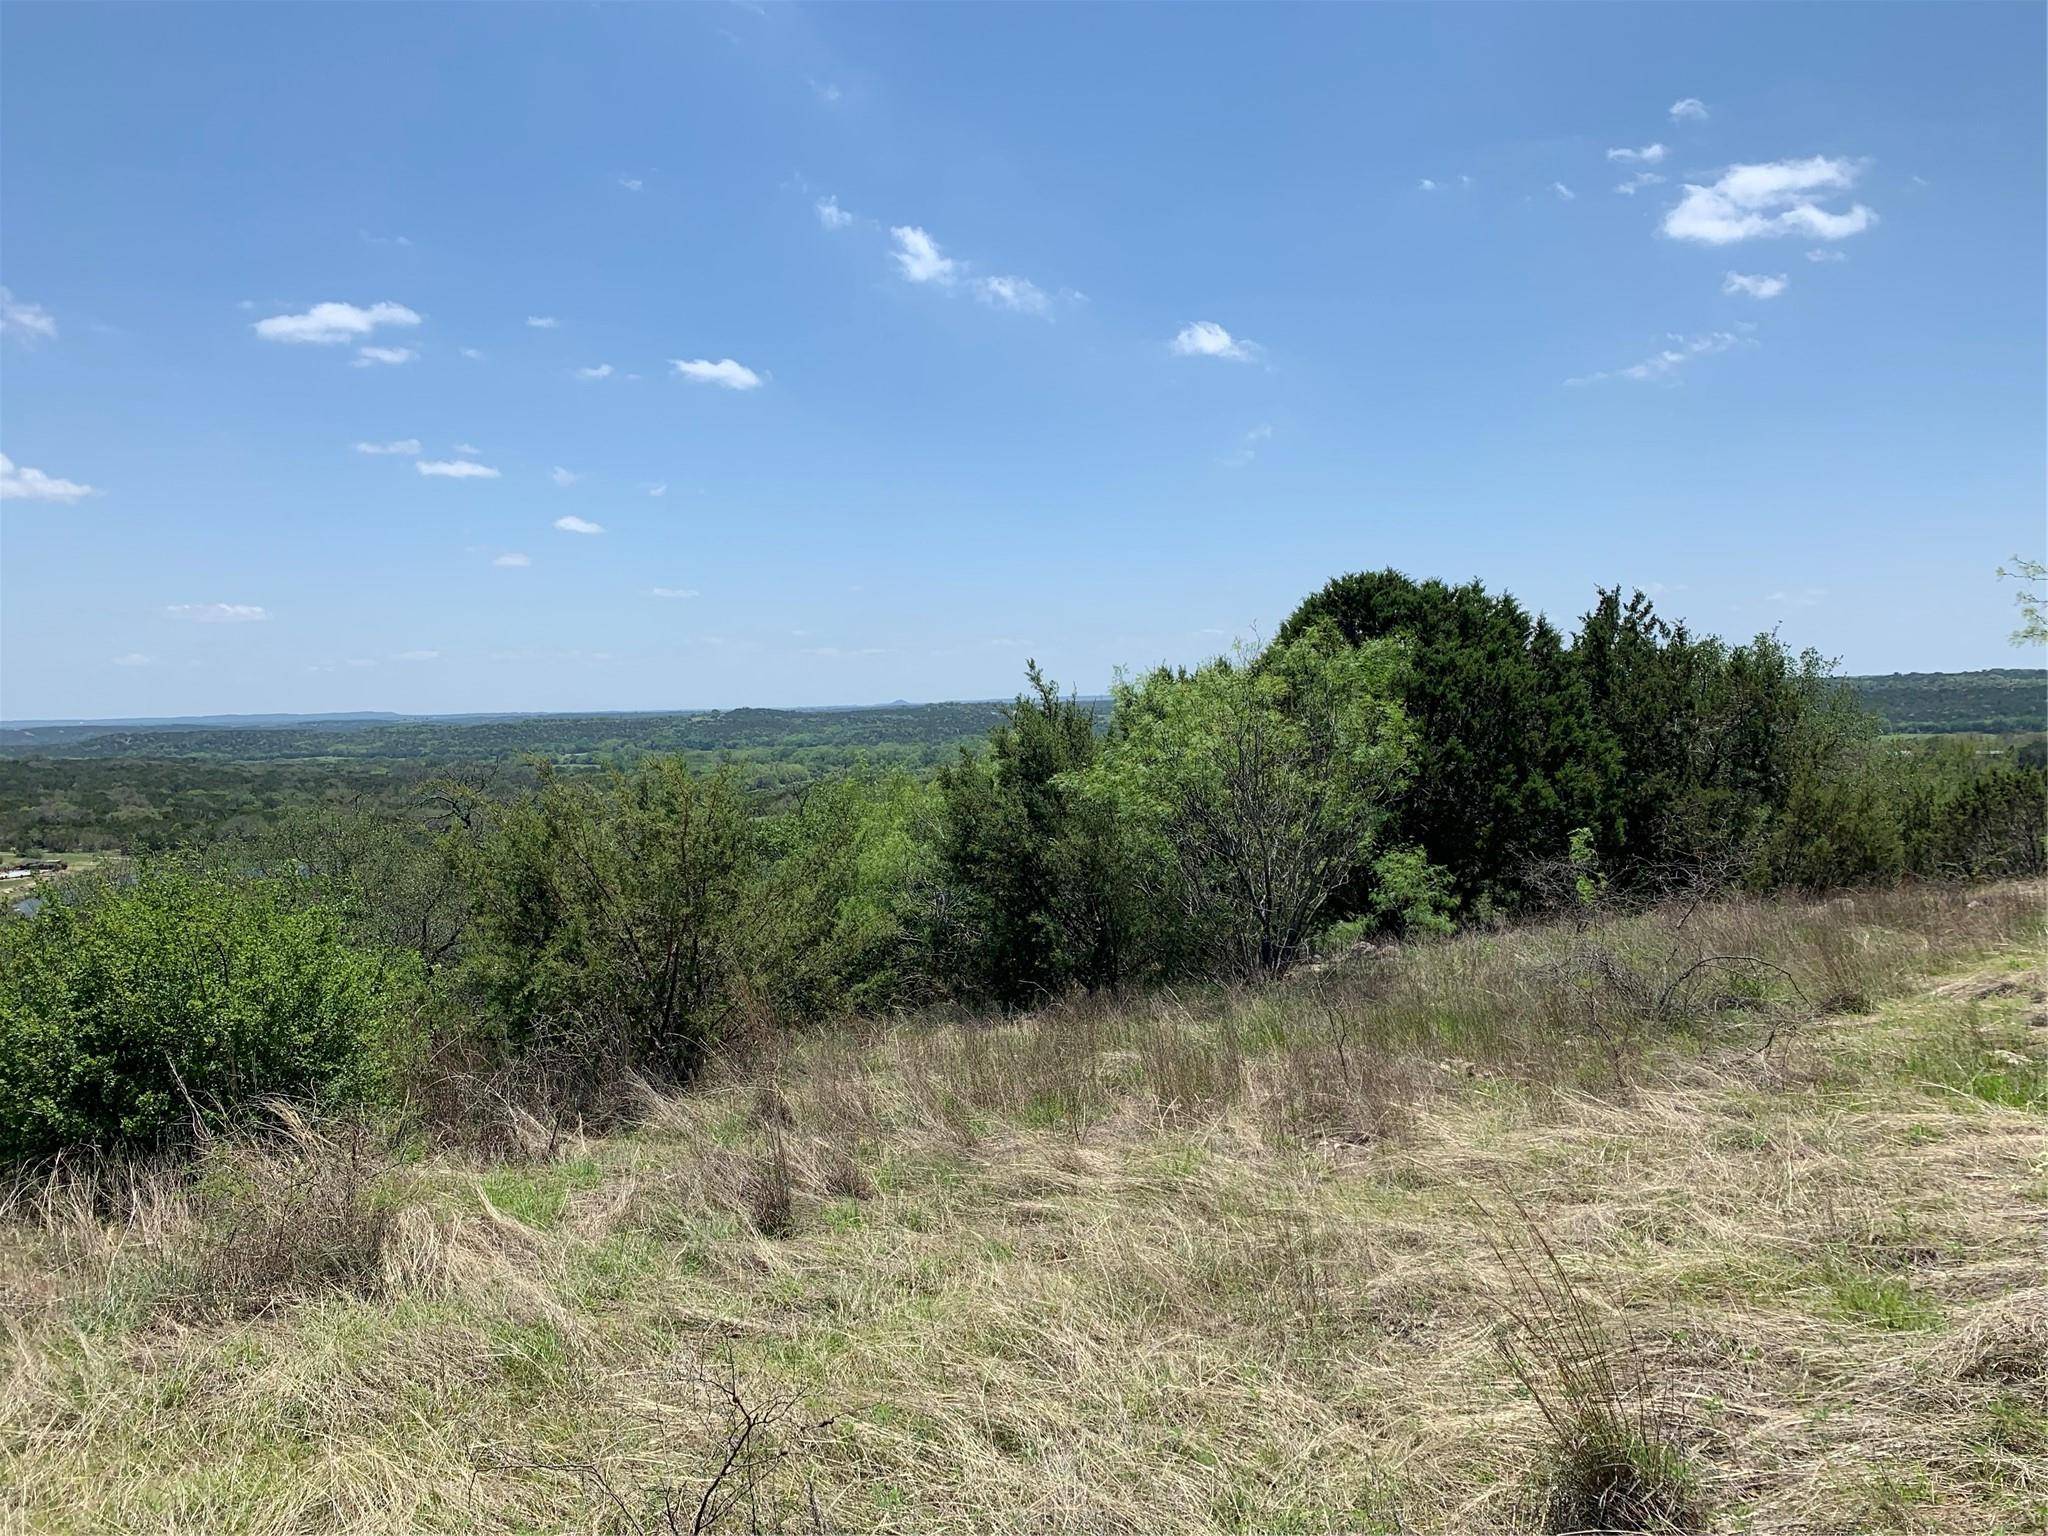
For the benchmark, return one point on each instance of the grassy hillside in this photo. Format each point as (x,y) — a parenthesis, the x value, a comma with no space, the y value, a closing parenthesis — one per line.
(1997,700)
(1238,1261)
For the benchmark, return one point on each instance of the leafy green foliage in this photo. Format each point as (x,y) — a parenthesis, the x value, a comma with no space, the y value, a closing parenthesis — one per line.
(1258,786)
(1040,893)
(607,911)
(130,1011)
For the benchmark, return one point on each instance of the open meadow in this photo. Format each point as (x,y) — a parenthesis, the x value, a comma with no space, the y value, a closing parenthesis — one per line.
(1729,1216)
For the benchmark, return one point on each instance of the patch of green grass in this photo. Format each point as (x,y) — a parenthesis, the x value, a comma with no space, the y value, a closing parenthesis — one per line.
(537,1196)
(1885,1302)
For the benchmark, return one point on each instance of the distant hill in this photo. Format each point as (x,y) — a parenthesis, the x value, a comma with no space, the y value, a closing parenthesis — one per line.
(1996,700)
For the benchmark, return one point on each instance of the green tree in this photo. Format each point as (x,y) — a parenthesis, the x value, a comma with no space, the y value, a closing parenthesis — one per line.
(1260,785)
(1479,681)
(608,907)
(1038,895)
(2031,599)
(834,925)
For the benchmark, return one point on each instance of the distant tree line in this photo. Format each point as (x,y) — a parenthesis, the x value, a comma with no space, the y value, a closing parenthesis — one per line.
(1403,757)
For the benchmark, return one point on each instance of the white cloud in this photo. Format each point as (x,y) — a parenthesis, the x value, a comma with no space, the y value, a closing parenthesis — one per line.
(20,483)
(1637,182)
(1425,185)
(1205,338)
(471,353)
(917,254)
(1664,364)
(31,322)
(1798,597)
(1690,109)
(658,490)
(456,469)
(402,445)
(631,183)
(578,525)
(134,659)
(725,373)
(329,324)
(1757,287)
(831,215)
(511,559)
(601,371)
(1827,255)
(370,239)
(218,613)
(563,477)
(1563,191)
(542,322)
(672,592)
(1018,293)
(1768,200)
(366,356)
(469,449)
(826,92)
(417,656)
(1649,154)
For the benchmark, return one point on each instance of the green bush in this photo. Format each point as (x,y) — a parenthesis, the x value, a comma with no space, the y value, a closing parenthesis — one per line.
(128,1012)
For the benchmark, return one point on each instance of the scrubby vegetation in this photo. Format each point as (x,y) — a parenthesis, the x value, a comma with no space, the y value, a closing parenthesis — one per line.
(618,1079)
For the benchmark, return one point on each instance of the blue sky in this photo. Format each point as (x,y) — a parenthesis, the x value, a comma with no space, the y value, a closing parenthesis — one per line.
(939,337)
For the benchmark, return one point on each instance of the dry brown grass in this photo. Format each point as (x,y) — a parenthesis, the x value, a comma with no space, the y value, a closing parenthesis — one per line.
(1175,1263)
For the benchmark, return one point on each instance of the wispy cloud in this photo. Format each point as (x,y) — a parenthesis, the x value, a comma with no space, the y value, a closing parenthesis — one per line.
(1018,293)
(512,560)
(367,357)
(658,490)
(24,321)
(1564,192)
(542,322)
(918,256)
(827,92)
(578,525)
(1824,255)
(563,477)
(468,450)
(218,613)
(601,371)
(475,355)
(725,373)
(672,592)
(330,324)
(1637,182)
(20,483)
(1248,447)
(456,469)
(630,183)
(1751,202)
(409,445)
(1797,597)
(831,215)
(1689,110)
(1205,338)
(1662,365)
(370,239)
(1756,286)
(1649,154)
(133,659)
(415,656)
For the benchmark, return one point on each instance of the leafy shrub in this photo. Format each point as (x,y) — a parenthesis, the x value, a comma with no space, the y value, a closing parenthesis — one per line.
(608,912)
(132,1012)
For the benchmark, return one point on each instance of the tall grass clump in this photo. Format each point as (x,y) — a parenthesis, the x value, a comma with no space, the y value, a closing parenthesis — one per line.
(1613,1464)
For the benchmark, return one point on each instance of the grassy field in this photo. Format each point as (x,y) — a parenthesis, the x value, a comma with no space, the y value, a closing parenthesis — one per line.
(1237,1261)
